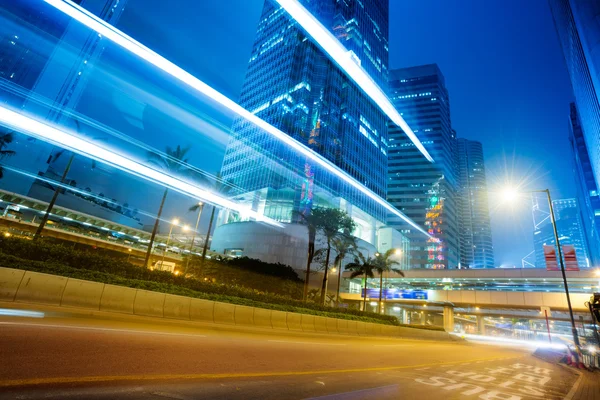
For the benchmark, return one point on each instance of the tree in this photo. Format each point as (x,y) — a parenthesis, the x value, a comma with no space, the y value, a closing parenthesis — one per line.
(332,223)
(383,264)
(343,245)
(196,207)
(5,140)
(172,163)
(308,219)
(362,266)
(222,188)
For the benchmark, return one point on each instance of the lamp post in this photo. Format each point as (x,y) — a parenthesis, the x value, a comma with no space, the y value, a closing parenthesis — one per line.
(173,223)
(511,194)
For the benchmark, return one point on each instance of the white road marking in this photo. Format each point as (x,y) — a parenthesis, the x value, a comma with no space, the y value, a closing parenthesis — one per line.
(92,328)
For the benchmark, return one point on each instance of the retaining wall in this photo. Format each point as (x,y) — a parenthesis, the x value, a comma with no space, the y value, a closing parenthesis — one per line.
(32,287)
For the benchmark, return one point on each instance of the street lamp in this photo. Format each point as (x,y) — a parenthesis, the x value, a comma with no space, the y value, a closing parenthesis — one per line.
(510,194)
(174,222)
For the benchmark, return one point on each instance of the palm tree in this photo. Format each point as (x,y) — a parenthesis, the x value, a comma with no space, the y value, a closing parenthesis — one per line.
(172,163)
(332,223)
(385,265)
(362,266)
(343,245)
(5,140)
(196,207)
(222,188)
(307,218)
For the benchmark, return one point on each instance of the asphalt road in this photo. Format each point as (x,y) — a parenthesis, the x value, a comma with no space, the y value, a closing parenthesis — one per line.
(62,356)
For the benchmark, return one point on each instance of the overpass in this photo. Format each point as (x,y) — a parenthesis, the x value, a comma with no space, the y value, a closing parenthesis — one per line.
(481,295)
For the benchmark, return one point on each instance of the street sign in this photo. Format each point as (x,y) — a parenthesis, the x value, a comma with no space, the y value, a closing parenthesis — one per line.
(570,258)
(550,256)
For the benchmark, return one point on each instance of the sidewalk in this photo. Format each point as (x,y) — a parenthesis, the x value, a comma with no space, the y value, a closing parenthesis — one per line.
(587,387)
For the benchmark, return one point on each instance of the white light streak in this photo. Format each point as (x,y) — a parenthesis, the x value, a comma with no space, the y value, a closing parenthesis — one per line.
(340,55)
(128,43)
(68,140)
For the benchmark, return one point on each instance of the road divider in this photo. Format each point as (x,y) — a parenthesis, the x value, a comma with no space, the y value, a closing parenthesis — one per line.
(33,287)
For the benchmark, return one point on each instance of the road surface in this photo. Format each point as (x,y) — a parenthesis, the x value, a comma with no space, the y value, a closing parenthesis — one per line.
(103,356)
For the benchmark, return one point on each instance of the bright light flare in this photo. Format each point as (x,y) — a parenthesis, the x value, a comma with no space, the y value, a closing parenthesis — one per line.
(74,143)
(175,221)
(340,55)
(509,194)
(128,43)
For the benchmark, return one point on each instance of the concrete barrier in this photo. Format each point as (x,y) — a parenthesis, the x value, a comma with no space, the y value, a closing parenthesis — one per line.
(224,313)
(27,286)
(294,321)
(202,310)
(41,288)
(279,319)
(10,279)
(82,294)
(244,315)
(262,318)
(361,328)
(321,324)
(117,299)
(177,307)
(342,327)
(331,324)
(149,304)
(308,322)
(352,327)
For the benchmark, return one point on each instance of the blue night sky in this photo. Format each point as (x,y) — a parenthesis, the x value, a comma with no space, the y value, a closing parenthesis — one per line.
(504,71)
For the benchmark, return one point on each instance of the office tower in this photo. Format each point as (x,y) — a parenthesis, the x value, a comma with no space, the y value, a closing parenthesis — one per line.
(476,249)
(426,192)
(587,192)
(570,231)
(46,58)
(294,86)
(576,23)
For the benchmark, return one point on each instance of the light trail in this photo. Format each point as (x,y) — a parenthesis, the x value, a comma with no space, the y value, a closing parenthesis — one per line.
(340,55)
(76,144)
(128,43)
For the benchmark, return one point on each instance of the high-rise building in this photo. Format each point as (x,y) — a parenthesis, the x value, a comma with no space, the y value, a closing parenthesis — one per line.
(576,23)
(476,249)
(426,192)
(46,58)
(294,86)
(570,231)
(588,196)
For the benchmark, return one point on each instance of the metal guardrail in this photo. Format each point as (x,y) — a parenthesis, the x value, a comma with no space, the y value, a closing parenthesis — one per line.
(591,359)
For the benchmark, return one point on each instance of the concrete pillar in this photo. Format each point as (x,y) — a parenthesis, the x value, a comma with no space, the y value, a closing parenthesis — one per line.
(480,325)
(405,319)
(449,318)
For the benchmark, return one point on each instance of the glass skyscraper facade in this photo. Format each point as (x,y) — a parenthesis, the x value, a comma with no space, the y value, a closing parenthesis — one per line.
(476,250)
(294,86)
(587,191)
(570,231)
(578,31)
(425,192)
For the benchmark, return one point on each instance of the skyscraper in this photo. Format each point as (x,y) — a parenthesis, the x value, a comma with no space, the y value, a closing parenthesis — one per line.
(576,23)
(425,192)
(476,249)
(588,197)
(294,86)
(570,231)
